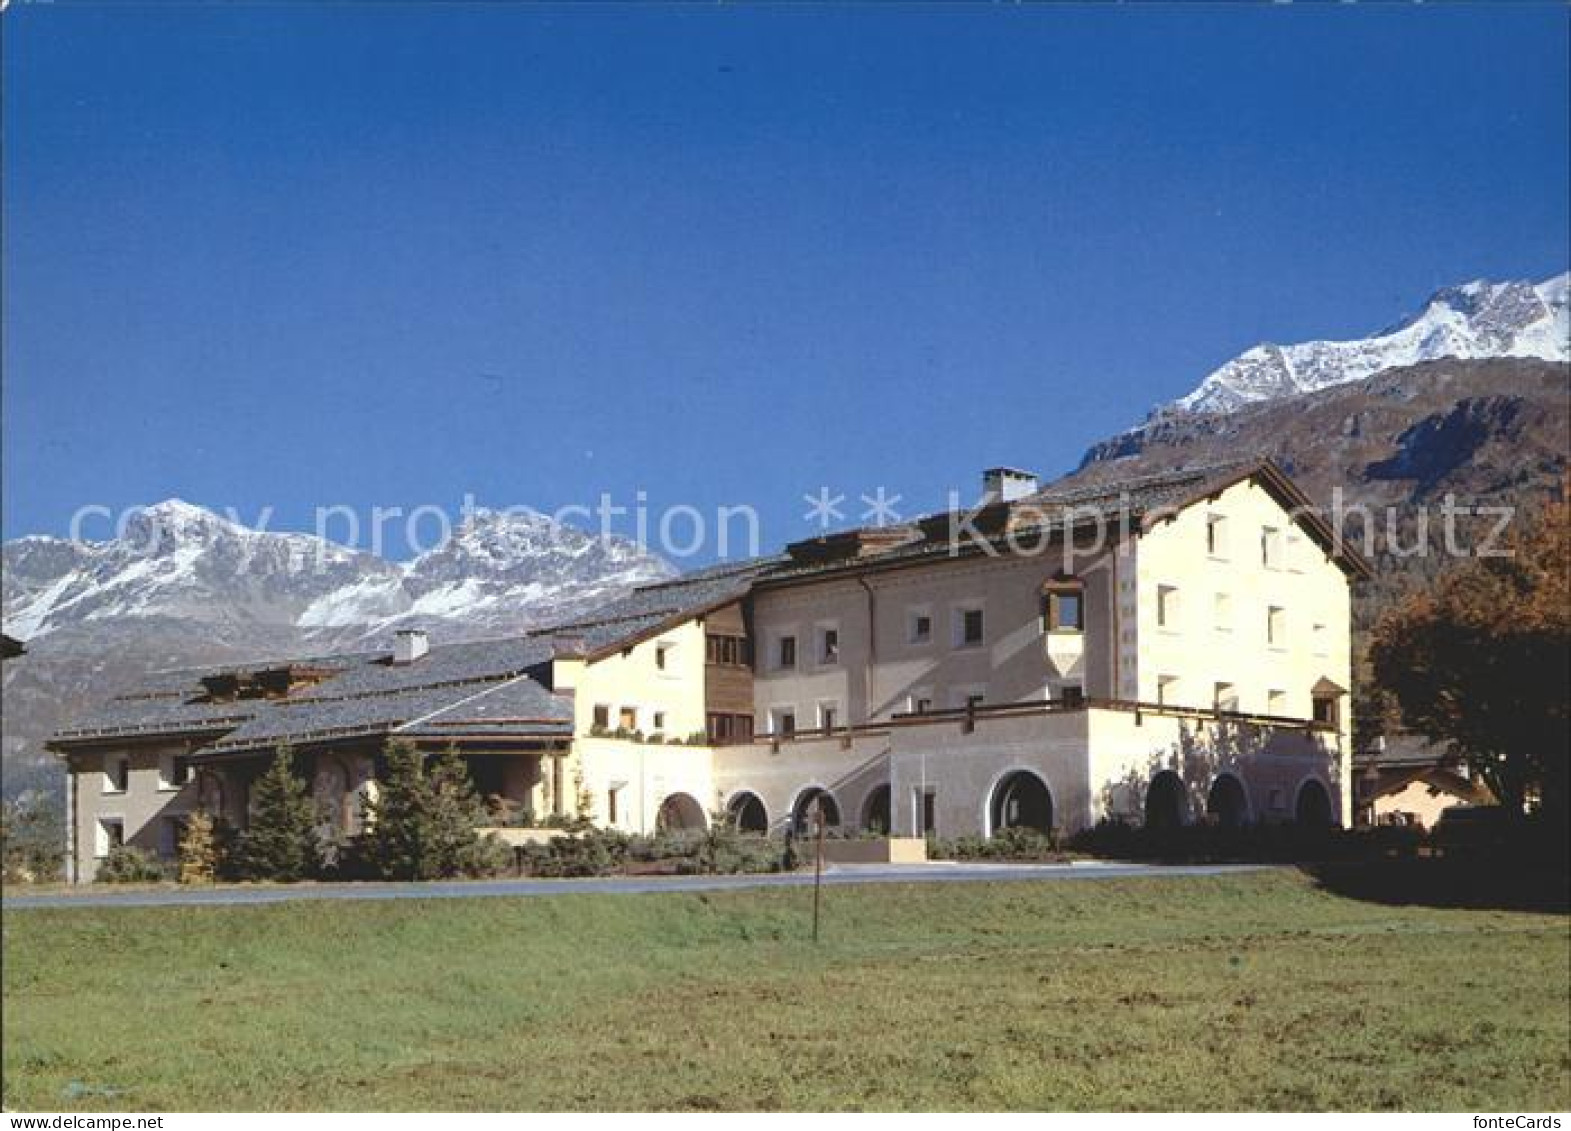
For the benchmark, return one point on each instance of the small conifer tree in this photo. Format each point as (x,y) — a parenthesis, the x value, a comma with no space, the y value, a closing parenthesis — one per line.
(423,820)
(198,850)
(281,841)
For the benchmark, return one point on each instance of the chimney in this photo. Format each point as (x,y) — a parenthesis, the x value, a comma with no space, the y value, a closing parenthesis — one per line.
(409,644)
(1006,484)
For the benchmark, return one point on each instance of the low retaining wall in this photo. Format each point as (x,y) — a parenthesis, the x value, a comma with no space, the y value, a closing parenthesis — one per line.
(518,837)
(887,850)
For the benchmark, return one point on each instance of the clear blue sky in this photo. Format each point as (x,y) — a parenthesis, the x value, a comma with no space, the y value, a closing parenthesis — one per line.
(290,256)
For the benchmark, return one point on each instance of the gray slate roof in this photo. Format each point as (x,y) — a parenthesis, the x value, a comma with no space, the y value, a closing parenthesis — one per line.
(647,608)
(369,695)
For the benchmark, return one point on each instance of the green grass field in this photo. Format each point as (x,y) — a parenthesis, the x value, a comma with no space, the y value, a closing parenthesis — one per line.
(1240,992)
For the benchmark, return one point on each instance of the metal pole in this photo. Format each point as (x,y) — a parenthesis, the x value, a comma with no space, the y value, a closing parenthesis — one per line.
(818,864)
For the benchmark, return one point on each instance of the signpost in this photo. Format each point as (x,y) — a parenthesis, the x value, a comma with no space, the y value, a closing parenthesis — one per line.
(818,862)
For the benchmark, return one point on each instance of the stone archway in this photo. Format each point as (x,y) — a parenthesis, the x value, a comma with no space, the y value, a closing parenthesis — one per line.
(878,810)
(1313,808)
(1020,800)
(680,812)
(1226,803)
(1167,801)
(748,814)
(802,811)
(334,796)
(210,794)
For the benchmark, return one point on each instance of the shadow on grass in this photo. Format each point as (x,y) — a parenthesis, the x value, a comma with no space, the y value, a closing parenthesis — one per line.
(1502,884)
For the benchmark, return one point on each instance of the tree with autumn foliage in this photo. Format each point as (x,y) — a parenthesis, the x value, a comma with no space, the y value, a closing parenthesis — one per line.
(1480,662)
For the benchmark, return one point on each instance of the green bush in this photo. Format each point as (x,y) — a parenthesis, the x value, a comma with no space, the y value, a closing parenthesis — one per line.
(32,839)
(127,865)
(1008,844)
(718,850)
(491,856)
(593,852)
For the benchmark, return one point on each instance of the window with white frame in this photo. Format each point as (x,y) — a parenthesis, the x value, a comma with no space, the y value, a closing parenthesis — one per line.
(1276,626)
(108,835)
(920,701)
(1167,606)
(1270,547)
(1319,638)
(1216,536)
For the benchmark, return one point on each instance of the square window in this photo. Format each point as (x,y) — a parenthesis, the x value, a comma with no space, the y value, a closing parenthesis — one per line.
(629,718)
(1063,611)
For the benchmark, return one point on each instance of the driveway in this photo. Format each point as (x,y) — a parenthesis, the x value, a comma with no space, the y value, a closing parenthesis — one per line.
(935,872)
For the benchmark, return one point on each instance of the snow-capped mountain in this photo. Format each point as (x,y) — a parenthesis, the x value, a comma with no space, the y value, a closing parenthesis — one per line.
(1480,319)
(181,585)
(179,562)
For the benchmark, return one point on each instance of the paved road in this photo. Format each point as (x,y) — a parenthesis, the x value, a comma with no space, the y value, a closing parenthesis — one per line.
(935,872)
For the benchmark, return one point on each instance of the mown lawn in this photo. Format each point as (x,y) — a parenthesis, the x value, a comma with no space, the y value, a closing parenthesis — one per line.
(1239,992)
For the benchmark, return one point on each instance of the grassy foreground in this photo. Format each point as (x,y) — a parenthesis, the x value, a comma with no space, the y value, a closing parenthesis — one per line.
(1239,992)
